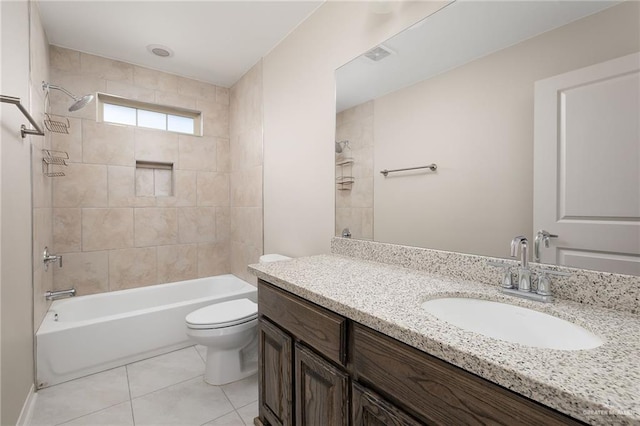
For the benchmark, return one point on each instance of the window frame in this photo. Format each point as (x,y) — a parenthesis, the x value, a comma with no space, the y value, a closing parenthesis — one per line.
(147,106)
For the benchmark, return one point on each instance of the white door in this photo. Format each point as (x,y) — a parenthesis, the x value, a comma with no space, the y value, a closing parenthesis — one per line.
(587,166)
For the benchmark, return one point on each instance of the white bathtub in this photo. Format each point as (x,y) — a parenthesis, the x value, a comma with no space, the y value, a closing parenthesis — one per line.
(87,334)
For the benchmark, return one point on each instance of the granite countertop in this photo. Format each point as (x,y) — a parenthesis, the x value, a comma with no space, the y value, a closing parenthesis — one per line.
(599,386)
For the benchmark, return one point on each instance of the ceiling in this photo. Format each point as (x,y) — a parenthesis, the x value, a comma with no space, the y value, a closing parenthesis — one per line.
(455,35)
(213,41)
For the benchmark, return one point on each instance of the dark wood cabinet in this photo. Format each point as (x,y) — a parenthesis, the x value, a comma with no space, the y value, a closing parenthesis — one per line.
(319,368)
(321,390)
(275,378)
(370,409)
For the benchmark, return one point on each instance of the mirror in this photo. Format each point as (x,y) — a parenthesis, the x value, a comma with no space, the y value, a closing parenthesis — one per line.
(468,89)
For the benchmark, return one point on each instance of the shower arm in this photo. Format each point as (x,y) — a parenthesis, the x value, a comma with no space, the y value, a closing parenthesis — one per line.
(46,86)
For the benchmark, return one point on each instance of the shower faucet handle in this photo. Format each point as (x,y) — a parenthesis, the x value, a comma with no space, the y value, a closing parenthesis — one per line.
(48,258)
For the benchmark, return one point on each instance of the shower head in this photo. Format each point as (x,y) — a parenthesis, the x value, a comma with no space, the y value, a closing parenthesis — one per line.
(79,102)
(338,148)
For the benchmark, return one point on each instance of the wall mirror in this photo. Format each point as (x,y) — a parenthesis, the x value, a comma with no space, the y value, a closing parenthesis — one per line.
(529,110)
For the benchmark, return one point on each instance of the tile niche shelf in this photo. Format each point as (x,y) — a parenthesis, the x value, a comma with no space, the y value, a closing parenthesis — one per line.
(344,178)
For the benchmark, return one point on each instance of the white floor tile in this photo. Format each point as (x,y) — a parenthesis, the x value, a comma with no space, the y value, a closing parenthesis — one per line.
(118,415)
(189,403)
(79,397)
(231,419)
(242,392)
(202,350)
(249,412)
(164,370)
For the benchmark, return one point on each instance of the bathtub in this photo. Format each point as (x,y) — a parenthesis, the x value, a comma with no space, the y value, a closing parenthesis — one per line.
(88,334)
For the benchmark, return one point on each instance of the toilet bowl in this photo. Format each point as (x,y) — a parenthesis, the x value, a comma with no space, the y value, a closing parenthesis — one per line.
(229,331)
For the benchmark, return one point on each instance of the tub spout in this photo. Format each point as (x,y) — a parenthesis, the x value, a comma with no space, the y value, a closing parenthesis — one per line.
(53,295)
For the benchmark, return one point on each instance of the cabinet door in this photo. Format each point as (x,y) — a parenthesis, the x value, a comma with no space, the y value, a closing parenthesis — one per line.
(275,380)
(321,391)
(370,409)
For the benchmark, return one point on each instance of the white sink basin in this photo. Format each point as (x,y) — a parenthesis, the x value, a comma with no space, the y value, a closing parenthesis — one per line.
(512,323)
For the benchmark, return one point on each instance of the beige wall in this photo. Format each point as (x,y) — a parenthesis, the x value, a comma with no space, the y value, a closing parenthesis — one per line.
(299,117)
(16,294)
(354,203)
(245,129)
(110,238)
(476,123)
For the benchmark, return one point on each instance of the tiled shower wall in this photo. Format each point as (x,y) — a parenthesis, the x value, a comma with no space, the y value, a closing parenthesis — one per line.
(246,172)
(110,238)
(354,207)
(40,184)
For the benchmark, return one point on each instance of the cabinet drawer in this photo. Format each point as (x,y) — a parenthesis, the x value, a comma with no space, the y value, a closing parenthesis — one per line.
(319,328)
(438,392)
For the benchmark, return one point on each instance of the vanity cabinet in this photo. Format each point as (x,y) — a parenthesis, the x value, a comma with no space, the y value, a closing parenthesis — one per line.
(319,368)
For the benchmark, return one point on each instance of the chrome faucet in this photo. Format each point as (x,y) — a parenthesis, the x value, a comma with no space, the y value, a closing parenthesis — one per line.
(524,275)
(47,258)
(542,236)
(53,295)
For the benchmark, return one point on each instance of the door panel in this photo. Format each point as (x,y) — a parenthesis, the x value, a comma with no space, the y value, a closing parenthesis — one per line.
(587,166)
(275,379)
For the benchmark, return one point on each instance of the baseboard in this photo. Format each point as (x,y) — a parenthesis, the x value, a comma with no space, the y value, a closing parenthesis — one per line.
(27,409)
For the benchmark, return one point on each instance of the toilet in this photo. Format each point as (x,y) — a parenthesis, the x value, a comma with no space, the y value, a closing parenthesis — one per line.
(229,331)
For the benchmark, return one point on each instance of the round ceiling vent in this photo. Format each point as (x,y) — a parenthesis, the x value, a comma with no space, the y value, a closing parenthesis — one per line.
(160,50)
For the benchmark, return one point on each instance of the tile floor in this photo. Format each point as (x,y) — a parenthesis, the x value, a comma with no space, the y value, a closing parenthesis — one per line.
(164,390)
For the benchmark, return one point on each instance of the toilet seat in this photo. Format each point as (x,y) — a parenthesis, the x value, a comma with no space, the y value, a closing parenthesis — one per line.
(222,315)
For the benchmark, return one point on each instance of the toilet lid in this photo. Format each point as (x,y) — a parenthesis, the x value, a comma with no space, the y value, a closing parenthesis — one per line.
(223,314)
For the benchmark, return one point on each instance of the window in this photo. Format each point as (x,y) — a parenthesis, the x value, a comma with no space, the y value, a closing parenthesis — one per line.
(114,109)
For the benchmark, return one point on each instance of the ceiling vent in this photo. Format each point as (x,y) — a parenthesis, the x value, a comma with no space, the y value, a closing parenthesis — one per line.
(378,53)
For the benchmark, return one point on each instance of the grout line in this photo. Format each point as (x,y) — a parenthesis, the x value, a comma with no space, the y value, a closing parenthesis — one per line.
(133,416)
(221,416)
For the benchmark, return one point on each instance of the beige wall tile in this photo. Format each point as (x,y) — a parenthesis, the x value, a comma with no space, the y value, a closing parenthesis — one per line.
(87,272)
(85,185)
(184,190)
(104,229)
(196,224)
(246,150)
(130,268)
(122,190)
(156,145)
(243,255)
(42,282)
(156,226)
(247,188)
(64,59)
(213,189)
(67,230)
(362,192)
(213,259)
(246,225)
(215,118)
(222,95)
(145,185)
(177,263)
(104,143)
(197,153)
(246,101)
(163,182)
(130,91)
(106,68)
(70,143)
(223,223)
(153,79)
(196,89)
(223,151)
(42,233)
(175,100)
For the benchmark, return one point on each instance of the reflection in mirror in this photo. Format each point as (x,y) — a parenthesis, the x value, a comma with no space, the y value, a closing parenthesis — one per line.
(530,111)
